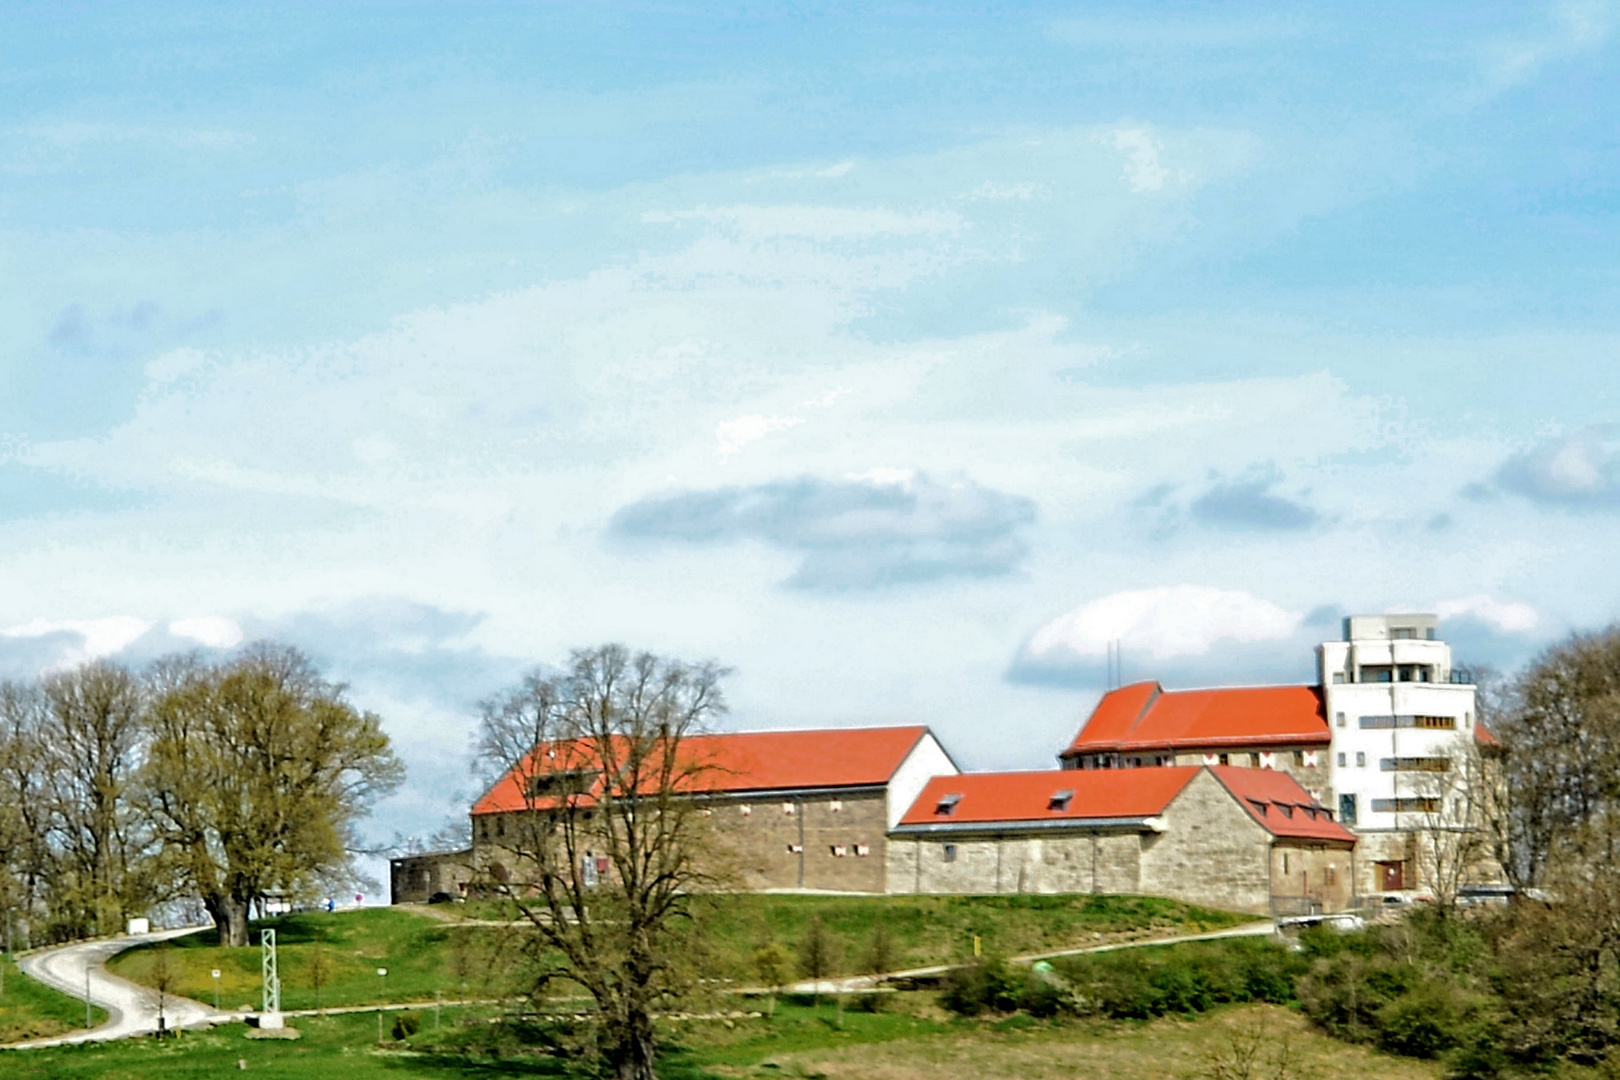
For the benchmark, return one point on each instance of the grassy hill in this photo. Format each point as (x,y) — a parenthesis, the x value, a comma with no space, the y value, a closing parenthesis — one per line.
(799,1042)
(29,1010)
(445,949)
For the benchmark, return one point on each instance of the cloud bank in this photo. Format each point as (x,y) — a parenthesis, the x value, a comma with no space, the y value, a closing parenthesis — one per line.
(883,528)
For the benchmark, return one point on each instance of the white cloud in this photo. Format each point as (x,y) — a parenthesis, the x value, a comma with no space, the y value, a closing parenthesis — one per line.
(1143,171)
(101,637)
(1508,616)
(1174,620)
(733,435)
(214,631)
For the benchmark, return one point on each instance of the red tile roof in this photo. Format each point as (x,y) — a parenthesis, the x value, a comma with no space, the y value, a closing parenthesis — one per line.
(1027,796)
(744,761)
(1273,799)
(1146,717)
(1276,801)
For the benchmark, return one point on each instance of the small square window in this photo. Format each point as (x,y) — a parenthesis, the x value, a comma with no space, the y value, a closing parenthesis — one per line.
(1341,759)
(788,809)
(950,852)
(862,851)
(1338,718)
(835,805)
(746,809)
(795,849)
(947,804)
(838,851)
(1361,760)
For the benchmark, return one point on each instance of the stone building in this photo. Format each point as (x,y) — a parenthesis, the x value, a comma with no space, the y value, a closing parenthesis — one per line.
(416,879)
(1388,740)
(1267,727)
(1225,837)
(805,809)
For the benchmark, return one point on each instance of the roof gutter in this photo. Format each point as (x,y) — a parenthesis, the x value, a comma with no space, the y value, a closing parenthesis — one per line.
(1151,823)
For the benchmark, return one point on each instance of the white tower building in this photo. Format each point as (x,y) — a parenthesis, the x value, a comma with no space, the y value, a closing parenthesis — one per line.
(1401,717)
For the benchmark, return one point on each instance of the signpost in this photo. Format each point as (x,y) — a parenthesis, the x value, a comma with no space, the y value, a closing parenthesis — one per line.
(216,989)
(382,996)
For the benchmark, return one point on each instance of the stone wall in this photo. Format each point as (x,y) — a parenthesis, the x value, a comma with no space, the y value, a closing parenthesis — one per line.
(1308,879)
(830,842)
(1308,765)
(413,879)
(1074,862)
(1211,851)
(825,841)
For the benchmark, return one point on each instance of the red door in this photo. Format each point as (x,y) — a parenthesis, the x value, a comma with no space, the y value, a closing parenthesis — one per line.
(1391,876)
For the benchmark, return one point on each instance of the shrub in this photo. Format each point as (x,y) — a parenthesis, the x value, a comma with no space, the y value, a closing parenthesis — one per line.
(407,1024)
(989,985)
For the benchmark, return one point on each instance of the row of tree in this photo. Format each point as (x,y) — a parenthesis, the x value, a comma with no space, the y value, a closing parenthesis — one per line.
(220,782)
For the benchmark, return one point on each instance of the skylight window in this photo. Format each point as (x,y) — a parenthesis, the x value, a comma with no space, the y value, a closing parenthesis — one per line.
(1060,800)
(947,804)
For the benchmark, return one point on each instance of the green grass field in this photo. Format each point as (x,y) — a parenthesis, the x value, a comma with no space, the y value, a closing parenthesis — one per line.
(927,930)
(799,1042)
(29,1010)
(428,950)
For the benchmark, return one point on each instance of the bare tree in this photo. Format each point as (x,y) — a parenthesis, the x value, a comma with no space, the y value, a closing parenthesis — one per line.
(91,748)
(1461,798)
(604,844)
(257,772)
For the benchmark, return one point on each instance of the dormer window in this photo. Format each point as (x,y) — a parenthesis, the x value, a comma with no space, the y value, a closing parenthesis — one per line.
(1059,801)
(1259,807)
(947,804)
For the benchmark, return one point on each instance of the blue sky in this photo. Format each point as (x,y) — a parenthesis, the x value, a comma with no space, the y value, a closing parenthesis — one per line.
(899,357)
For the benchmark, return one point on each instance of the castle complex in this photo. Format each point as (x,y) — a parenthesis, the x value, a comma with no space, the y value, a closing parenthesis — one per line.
(1276,800)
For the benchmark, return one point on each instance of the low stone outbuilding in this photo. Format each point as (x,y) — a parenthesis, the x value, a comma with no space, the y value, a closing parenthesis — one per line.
(416,879)
(1226,837)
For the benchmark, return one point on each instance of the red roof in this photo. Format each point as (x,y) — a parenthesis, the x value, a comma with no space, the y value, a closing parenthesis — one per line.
(1146,717)
(1029,796)
(1276,800)
(743,761)
(1271,798)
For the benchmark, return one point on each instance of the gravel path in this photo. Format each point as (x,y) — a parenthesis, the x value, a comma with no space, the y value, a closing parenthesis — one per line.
(131,1009)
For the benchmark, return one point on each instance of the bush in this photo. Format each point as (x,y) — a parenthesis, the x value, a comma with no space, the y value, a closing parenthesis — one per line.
(1142,983)
(988,985)
(407,1024)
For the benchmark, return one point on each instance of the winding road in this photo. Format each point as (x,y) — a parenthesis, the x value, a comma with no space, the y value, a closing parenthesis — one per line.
(131,1009)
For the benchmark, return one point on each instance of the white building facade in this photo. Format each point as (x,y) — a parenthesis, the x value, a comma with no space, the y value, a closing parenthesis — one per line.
(1403,724)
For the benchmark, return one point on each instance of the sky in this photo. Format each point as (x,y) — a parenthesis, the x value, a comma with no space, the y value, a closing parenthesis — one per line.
(899,357)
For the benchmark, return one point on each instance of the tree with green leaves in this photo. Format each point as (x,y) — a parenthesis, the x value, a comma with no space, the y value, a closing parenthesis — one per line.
(774,966)
(607,843)
(257,772)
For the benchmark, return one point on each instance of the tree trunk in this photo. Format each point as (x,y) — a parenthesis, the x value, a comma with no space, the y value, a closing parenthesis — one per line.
(634,1047)
(230,915)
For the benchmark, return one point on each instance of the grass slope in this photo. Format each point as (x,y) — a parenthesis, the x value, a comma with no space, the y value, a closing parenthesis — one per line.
(31,1010)
(799,1042)
(428,950)
(418,953)
(928,930)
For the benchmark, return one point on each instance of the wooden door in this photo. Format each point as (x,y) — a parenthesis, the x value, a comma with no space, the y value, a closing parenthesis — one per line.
(1391,876)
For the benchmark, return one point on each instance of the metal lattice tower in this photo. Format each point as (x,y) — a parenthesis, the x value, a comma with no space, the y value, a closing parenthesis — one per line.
(272,978)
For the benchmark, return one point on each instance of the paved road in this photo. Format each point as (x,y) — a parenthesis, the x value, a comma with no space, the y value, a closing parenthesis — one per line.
(131,1009)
